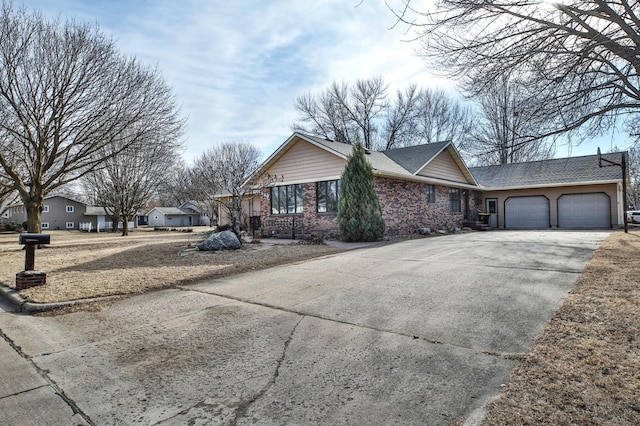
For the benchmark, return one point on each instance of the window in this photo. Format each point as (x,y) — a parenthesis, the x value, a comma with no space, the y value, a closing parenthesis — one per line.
(286,199)
(477,198)
(327,194)
(45,225)
(45,209)
(70,225)
(454,200)
(69,209)
(431,194)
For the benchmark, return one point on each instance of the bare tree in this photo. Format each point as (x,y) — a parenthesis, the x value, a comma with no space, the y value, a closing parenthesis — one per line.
(344,113)
(8,193)
(125,182)
(504,117)
(176,188)
(400,124)
(363,113)
(67,97)
(225,170)
(579,57)
(440,117)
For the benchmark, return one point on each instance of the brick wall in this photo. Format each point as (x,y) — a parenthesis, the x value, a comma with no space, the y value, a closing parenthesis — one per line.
(404,207)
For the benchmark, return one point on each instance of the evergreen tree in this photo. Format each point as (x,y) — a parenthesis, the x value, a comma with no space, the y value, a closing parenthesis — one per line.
(359,212)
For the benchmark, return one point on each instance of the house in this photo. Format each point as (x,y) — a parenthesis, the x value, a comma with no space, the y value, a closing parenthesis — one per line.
(60,212)
(173,216)
(558,193)
(419,186)
(98,219)
(250,209)
(431,186)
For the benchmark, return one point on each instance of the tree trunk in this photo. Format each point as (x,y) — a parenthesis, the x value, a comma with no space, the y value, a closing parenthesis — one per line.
(34,214)
(125,226)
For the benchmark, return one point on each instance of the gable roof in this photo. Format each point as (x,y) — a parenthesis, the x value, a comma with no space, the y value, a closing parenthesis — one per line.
(554,172)
(402,163)
(414,158)
(173,210)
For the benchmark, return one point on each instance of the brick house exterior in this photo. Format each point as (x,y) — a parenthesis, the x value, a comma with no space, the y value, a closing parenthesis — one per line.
(402,179)
(429,186)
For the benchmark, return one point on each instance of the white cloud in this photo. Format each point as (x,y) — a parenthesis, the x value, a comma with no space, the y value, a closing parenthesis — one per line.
(237,67)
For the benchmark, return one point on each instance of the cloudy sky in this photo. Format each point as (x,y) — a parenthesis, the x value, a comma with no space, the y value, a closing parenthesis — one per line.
(237,66)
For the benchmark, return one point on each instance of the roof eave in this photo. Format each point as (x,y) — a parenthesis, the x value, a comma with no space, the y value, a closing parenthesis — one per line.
(424,179)
(551,185)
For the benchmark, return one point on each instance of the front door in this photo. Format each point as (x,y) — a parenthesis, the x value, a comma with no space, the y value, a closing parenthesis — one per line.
(492,209)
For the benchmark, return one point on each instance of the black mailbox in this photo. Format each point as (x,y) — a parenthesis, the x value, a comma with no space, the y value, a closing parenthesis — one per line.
(33,239)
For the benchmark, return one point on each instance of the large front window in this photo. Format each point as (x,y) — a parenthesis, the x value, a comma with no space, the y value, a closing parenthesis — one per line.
(454,200)
(286,199)
(327,193)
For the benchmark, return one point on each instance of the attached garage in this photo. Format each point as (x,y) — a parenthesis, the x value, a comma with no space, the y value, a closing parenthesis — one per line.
(592,210)
(527,212)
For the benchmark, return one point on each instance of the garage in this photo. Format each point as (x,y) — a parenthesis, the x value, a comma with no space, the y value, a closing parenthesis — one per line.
(592,210)
(526,212)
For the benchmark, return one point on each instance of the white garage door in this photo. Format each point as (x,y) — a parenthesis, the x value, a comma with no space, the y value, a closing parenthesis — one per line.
(591,210)
(526,212)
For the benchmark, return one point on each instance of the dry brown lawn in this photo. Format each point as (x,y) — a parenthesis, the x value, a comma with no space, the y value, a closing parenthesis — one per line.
(585,367)
(81,265)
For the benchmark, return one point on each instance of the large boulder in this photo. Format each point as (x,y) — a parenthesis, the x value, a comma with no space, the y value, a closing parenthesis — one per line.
(225,240)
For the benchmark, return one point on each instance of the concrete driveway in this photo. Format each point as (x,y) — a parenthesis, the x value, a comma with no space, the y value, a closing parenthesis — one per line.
(417,332)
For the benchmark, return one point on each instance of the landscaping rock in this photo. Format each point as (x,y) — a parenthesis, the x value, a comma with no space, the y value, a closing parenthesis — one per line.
(225,240)
(424,231)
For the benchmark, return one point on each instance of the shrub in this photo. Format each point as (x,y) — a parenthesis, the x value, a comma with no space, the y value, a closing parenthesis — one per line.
(359,213)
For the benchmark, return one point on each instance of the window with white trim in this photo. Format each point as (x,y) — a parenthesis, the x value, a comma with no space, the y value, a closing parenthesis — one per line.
(70,225)
(44,225)
(45,209)
(70,209)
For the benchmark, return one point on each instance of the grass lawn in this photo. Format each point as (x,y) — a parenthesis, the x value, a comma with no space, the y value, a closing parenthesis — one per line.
(83,265)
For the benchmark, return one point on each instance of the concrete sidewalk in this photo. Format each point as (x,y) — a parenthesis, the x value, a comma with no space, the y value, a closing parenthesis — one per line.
(27,396)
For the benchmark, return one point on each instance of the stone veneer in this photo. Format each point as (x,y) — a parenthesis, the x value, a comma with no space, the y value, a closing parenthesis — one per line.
(404,208)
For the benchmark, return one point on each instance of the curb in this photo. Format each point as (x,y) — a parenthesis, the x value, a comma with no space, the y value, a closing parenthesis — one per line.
(12,296)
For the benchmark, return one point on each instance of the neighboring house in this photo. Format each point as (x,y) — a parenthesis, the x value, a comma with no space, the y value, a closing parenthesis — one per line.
(97,219)
(419,186)
(203,219)
(66,213)
(430,186)
(59,213)
(558,193)
(173,216)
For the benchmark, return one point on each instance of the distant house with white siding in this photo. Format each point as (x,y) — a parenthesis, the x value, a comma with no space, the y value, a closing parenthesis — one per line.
(173,216)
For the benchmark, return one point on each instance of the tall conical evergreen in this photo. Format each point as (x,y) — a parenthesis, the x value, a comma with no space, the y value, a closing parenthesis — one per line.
(359,212)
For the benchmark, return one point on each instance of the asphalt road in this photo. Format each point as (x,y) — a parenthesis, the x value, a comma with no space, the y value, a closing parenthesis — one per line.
(417,332)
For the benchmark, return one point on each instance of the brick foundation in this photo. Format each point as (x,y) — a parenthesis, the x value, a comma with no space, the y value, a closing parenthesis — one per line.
(28,279)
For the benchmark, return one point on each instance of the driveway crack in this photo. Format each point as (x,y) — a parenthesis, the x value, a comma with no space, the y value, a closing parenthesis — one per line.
(244,406)
(50,382)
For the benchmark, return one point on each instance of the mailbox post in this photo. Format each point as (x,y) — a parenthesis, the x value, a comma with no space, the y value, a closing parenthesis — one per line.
(30,277)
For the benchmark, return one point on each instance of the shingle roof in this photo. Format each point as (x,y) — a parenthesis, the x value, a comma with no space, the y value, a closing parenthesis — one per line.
(399,161)
(548,172)
(172,210)
(413,158)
